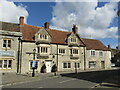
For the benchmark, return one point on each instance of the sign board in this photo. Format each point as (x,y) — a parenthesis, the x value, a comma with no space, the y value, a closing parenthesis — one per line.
(7,53)
(33,64)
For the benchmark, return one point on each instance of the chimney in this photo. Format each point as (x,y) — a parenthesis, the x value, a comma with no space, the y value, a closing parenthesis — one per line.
(46,25)
(75,28)
(108,46)
(21,20)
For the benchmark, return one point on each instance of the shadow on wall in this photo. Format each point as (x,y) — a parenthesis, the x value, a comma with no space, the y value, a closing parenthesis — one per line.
(108,76)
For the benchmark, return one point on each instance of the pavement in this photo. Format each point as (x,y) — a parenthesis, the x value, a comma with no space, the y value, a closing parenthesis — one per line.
(13,78)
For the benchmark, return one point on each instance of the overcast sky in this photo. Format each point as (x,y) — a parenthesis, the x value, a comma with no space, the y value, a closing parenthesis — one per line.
(96,20)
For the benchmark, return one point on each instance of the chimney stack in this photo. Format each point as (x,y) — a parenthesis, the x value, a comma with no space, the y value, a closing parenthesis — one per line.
(108,46)
(75,28)
(46,25)
(21,20)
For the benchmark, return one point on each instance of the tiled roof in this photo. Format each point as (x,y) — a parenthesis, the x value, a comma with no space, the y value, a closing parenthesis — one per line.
(28,31)
(9,26)
(94,44)
(59,37)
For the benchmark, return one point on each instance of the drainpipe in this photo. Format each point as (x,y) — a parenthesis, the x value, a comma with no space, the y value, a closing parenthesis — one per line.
(84,60)
(21,57)
(18,62)
(57,57)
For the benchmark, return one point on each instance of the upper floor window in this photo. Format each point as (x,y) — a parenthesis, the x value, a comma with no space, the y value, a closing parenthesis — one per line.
(43,36)
(6,43)
(73,39)
(92,52)
(73,51)
(44,50)
(62,51)
(101,53)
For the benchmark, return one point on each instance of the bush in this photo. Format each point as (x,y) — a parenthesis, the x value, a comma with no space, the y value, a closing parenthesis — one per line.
(54,68)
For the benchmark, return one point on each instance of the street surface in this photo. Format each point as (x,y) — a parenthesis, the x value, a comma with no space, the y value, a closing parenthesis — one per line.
(90,80)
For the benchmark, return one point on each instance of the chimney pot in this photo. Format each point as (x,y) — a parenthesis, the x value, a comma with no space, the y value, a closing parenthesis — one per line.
(21,20)
(75,28)
(108,46)
(46,25)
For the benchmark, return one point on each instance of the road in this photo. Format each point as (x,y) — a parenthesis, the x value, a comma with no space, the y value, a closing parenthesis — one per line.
(88,80)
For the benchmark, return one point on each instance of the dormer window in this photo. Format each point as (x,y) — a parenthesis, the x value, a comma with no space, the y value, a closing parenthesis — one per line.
(73,39)
(43,36)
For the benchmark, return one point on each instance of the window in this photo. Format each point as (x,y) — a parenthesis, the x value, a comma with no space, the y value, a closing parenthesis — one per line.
(1,64)
(9,63)
(38,48)
(62,51)
(92,64)
(73,51)
(92,53)
(67,65)
(43,36)
(6,43)
(5,64)
(44,49)
(73,39)
(101,53)
(77,65)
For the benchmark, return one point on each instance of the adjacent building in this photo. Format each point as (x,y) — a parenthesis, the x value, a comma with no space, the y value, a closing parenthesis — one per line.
(65,49)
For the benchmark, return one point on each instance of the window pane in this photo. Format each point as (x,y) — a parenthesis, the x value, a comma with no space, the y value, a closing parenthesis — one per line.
(9,43)
(9,63)
(5,63)
(38,48)
(4,43)
(69,65)
(64,65)
(1,63)
(78,65)
(31,65)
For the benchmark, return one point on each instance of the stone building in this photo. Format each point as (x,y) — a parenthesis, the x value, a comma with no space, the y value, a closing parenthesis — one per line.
(65,49)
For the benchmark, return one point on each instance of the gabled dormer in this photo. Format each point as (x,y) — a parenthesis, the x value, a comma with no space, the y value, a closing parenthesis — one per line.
(42,36)
(73,39)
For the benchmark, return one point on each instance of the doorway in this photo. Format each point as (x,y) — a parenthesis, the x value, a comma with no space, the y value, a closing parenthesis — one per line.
(48,66)
(102,64)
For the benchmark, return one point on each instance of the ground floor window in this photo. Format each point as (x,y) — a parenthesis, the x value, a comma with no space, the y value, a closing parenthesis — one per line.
(66,65)
(77,65)
(92,64)
(5,64)
(36,65)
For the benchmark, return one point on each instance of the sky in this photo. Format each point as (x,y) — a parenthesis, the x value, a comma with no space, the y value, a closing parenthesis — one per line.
(95,20)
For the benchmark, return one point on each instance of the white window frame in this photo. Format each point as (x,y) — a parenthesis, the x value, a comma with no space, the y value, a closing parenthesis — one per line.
(93,64)
(100,53)
(45,48)
(2,64)
(74,51)
(73,39)
(62,51)
(67,63)
(91,52)
(7,43)
(77,64)
(3,60)
(43,36)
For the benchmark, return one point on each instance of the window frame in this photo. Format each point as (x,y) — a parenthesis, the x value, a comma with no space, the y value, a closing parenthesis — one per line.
(3,60)
(74,51)
(43,49)
(93,63)
(62,51)
(91,53)
(73,40)
(101,53)
(7,44)
(43,36)
(68,65)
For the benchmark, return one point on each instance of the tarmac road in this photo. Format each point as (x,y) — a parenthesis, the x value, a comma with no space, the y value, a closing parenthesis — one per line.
(89,80)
